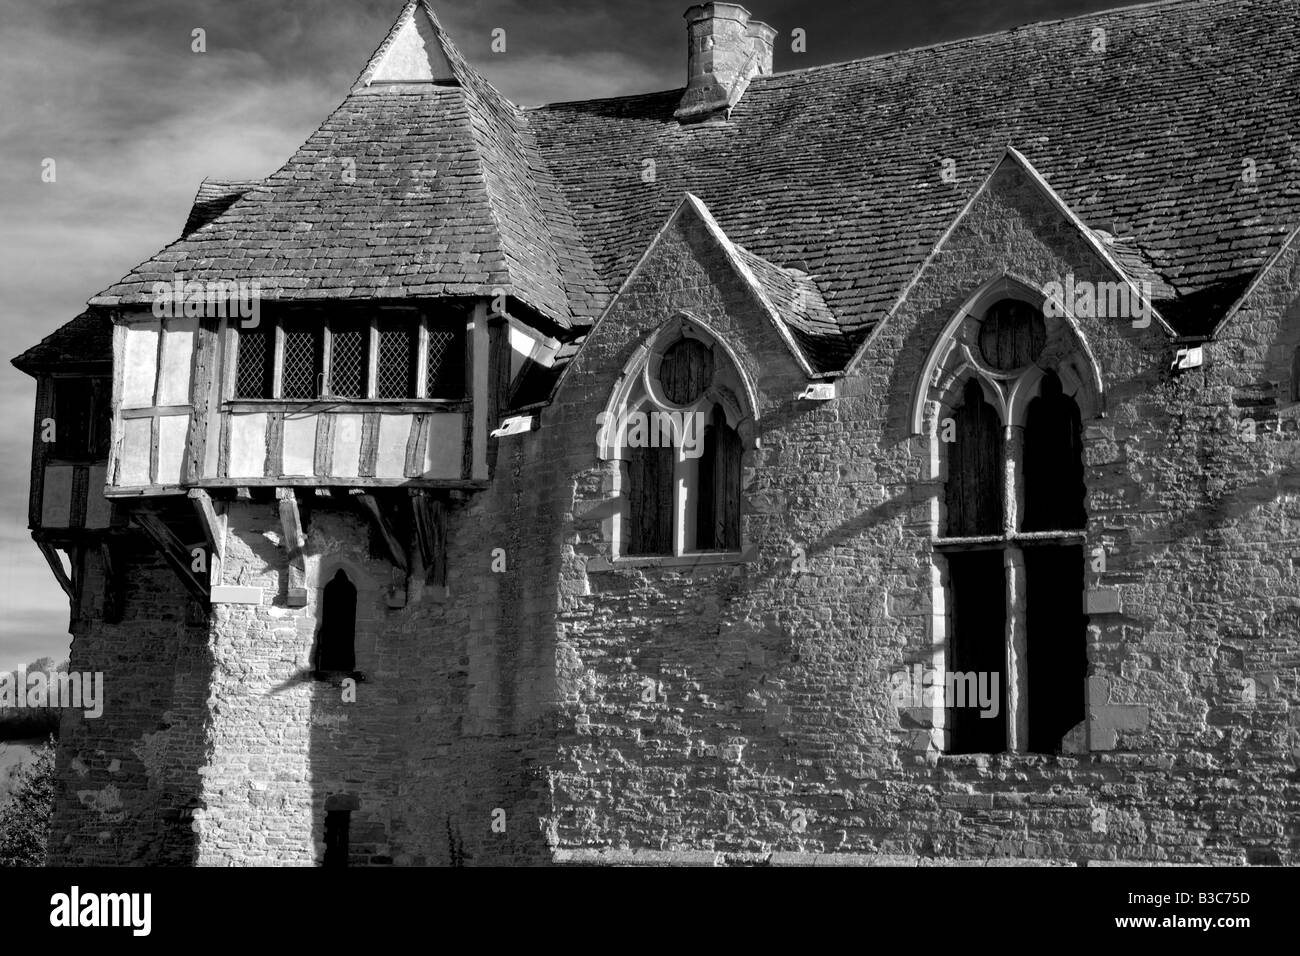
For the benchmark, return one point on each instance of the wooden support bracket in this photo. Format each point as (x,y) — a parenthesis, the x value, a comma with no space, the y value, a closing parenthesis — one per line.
(214,532)
(294,542)
(114,583)
(174,552)
(430,516)
(396,552)
(52,557)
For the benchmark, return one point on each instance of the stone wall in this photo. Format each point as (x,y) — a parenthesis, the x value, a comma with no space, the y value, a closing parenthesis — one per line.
(219,747)
(127,780)
(775,730)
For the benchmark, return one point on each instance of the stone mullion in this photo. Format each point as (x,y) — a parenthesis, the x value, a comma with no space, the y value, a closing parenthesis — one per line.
(1017,644)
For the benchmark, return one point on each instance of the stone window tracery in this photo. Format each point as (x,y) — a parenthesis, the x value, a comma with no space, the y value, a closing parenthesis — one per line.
(678,426)
(1003,391)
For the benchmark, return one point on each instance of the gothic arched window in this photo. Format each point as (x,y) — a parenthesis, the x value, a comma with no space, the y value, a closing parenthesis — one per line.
(336,639)
(677,429)
(1011,544)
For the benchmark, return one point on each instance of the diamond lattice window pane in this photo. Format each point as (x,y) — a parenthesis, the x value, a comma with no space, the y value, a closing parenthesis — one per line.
(446,376)
(253,369)
(301,362)
(397,349)
(348,359)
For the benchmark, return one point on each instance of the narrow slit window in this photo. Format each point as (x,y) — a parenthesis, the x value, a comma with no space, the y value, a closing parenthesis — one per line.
(717,522)
(1057,644)
(398,342)
(1295,375)
(1053,461)
(445,377)
(74,418)
(974,683)
(336,639)
(253,366)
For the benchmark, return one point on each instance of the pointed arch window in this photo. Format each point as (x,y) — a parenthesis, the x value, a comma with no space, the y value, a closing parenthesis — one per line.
(678,431)
(336,639)
(1011,544)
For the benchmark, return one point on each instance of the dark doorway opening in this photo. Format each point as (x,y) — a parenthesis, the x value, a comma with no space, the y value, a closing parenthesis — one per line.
(337,823)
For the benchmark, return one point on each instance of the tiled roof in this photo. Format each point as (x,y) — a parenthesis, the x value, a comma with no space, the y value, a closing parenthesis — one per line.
(836,170)
(1181,140)
(214,197)
(800,305)
(406,190)
(87,338)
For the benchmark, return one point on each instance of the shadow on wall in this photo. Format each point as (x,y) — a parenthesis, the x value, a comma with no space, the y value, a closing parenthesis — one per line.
(128,782)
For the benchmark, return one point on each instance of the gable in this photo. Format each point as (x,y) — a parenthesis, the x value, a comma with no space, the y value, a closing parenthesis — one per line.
(1023,227)
(412,52)
(691,269)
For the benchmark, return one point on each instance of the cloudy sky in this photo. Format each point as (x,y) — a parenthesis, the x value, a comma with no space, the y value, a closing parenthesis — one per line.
(134,119)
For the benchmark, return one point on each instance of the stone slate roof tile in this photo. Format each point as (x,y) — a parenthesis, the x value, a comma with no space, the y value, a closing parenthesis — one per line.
(831,175)
(836,170)
(444,179)
(801,307)
(214,197)
(87,338)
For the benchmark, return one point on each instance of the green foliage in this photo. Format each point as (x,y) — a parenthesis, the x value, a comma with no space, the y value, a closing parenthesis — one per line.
(25,818)
(25,723)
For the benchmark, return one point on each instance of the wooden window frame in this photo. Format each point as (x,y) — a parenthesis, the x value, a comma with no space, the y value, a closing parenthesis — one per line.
(370,370)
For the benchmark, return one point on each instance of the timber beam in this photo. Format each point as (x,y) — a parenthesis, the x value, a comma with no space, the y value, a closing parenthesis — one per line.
(294,542)
(175,552)
(114,583)
(52,558)
(396,552)
(214,532)
(430,519)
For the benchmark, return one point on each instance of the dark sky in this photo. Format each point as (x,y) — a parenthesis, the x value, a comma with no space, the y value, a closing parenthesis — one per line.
(134,120)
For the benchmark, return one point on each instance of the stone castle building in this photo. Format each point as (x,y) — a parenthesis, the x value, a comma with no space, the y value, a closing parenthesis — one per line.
(892,461)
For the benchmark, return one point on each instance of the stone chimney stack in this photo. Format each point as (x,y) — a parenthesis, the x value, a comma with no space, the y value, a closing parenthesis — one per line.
(726,50)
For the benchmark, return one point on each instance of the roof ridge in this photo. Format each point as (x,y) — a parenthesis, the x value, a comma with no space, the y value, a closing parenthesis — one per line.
(763,79)
(1125,8)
